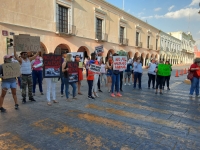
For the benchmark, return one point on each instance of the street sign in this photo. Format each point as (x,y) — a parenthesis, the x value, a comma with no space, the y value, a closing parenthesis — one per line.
(4,33)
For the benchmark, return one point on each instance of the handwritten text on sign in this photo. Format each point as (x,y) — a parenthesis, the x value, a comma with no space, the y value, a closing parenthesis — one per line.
(27,43)
(52,61)
(95,68)
(72,67)
(119,63)
(99,49)
(11,70)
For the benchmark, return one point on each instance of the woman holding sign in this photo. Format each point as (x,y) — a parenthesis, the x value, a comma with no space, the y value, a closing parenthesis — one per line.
(70,70)
(7,84)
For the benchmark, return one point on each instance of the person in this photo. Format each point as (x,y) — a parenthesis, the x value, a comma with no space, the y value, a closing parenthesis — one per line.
(26,72)
(9,83)
(151,73)
(103,72)
(167,78)
(115,81)
(51,88)
(95,81)
(137,72)
(195,80)
(37,69)
(127,73)
(87,65)
(80,75)
(64,54)
(109,64)
(90,77)
(132,70)
(159,79)
(65,69)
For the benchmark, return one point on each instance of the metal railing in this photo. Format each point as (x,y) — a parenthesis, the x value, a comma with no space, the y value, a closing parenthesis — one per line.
(67,29)
(101,36)
(138,44)
(123,41)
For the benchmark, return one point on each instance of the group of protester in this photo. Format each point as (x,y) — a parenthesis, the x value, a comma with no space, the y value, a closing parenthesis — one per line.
(32,74)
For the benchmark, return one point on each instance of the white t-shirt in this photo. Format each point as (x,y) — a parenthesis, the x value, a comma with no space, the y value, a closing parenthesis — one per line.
(103,68)
(152,68)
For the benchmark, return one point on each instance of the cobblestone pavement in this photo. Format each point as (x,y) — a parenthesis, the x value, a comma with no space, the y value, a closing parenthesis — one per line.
(139,120)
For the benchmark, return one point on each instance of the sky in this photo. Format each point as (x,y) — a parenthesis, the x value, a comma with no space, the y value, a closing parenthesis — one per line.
(166,15)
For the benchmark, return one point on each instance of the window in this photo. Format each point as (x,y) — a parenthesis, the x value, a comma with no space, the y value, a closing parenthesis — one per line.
(121,34)
(156,44)
(99,28)
(148,41)
(137,38)
(63,18)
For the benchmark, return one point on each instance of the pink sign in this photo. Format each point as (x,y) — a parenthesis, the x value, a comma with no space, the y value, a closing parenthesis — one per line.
(119,62)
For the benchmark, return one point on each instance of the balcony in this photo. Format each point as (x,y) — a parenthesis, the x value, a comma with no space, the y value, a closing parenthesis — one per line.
(101,37)
(138,44)
(68,30)
(123,41)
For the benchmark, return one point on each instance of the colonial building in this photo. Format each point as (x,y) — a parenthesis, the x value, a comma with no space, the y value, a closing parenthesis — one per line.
(78,25)
(187,46)
(170,48)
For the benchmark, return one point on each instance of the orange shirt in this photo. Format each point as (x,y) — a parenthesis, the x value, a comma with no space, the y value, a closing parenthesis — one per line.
(90,75)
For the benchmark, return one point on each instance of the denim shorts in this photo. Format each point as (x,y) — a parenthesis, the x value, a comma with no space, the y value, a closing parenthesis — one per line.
(9,85)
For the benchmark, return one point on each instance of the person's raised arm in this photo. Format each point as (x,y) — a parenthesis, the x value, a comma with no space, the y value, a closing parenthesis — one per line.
(16,56)
(32,58)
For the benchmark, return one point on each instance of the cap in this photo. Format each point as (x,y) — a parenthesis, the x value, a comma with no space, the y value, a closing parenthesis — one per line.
(7,56)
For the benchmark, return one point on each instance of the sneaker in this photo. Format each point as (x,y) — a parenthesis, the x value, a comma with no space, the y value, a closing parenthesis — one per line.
(118,94)
(42,93)
(124,83)
(100,90)
(16,106)
(96,95)
(23,100)
(112,95)
(3,109)
(61,95)
(121,90)
(197,96)
(108,91)
(91,97)
(190,95)
(32,99)
(168,88)
(129,84)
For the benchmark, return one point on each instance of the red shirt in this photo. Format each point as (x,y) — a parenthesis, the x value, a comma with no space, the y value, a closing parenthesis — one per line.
(90,75)
(194,71)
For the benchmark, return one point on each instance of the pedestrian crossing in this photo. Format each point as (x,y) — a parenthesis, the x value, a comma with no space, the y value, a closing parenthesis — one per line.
(138,120)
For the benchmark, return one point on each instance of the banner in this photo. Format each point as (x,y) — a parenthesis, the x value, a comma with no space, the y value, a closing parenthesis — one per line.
(73,71)
(11,70)
(52,66)
(27,43)
(95,68)
(99,49)
(164,70)
(119,63)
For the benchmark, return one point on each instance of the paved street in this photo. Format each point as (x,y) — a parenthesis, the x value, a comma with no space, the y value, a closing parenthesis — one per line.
(139,120)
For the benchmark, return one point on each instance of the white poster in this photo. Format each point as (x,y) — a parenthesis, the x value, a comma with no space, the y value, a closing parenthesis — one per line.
(95,68)
(80,54)
(119,63)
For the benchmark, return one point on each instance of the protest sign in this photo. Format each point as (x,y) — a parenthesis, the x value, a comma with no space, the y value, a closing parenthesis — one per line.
(27,43)
(80,54)
(164,70)
(73,71)
(11,70)
(95,68)
(52,66)
(99,49)
(119,63)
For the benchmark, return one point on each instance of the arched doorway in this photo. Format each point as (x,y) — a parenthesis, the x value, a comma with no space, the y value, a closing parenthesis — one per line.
(136,55)
(85,51)
(147,60)
(43,48)
(62,47)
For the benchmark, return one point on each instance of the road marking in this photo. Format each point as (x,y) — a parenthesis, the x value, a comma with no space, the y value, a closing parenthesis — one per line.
(84,138)
(124,127)
(9,141)
(171,124)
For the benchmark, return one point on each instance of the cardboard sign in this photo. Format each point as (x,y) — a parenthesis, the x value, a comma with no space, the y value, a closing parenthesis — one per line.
(11,70)
(99,49)
(119,63)
(81,55)
(27,43)
(52,66)
(164,70)
(95,68)
(73,71)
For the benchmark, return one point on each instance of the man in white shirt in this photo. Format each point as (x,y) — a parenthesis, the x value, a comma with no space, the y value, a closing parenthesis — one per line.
(151,73)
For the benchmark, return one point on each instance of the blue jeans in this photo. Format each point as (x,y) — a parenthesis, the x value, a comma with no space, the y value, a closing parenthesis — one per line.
(137,76)
(194,86)
(73,84)
(90,84)
(62,84)
(115,82)
(37,76)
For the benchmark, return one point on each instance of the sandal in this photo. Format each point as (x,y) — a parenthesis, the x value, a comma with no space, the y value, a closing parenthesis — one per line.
(49,103)
(80,93)
(55,101)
